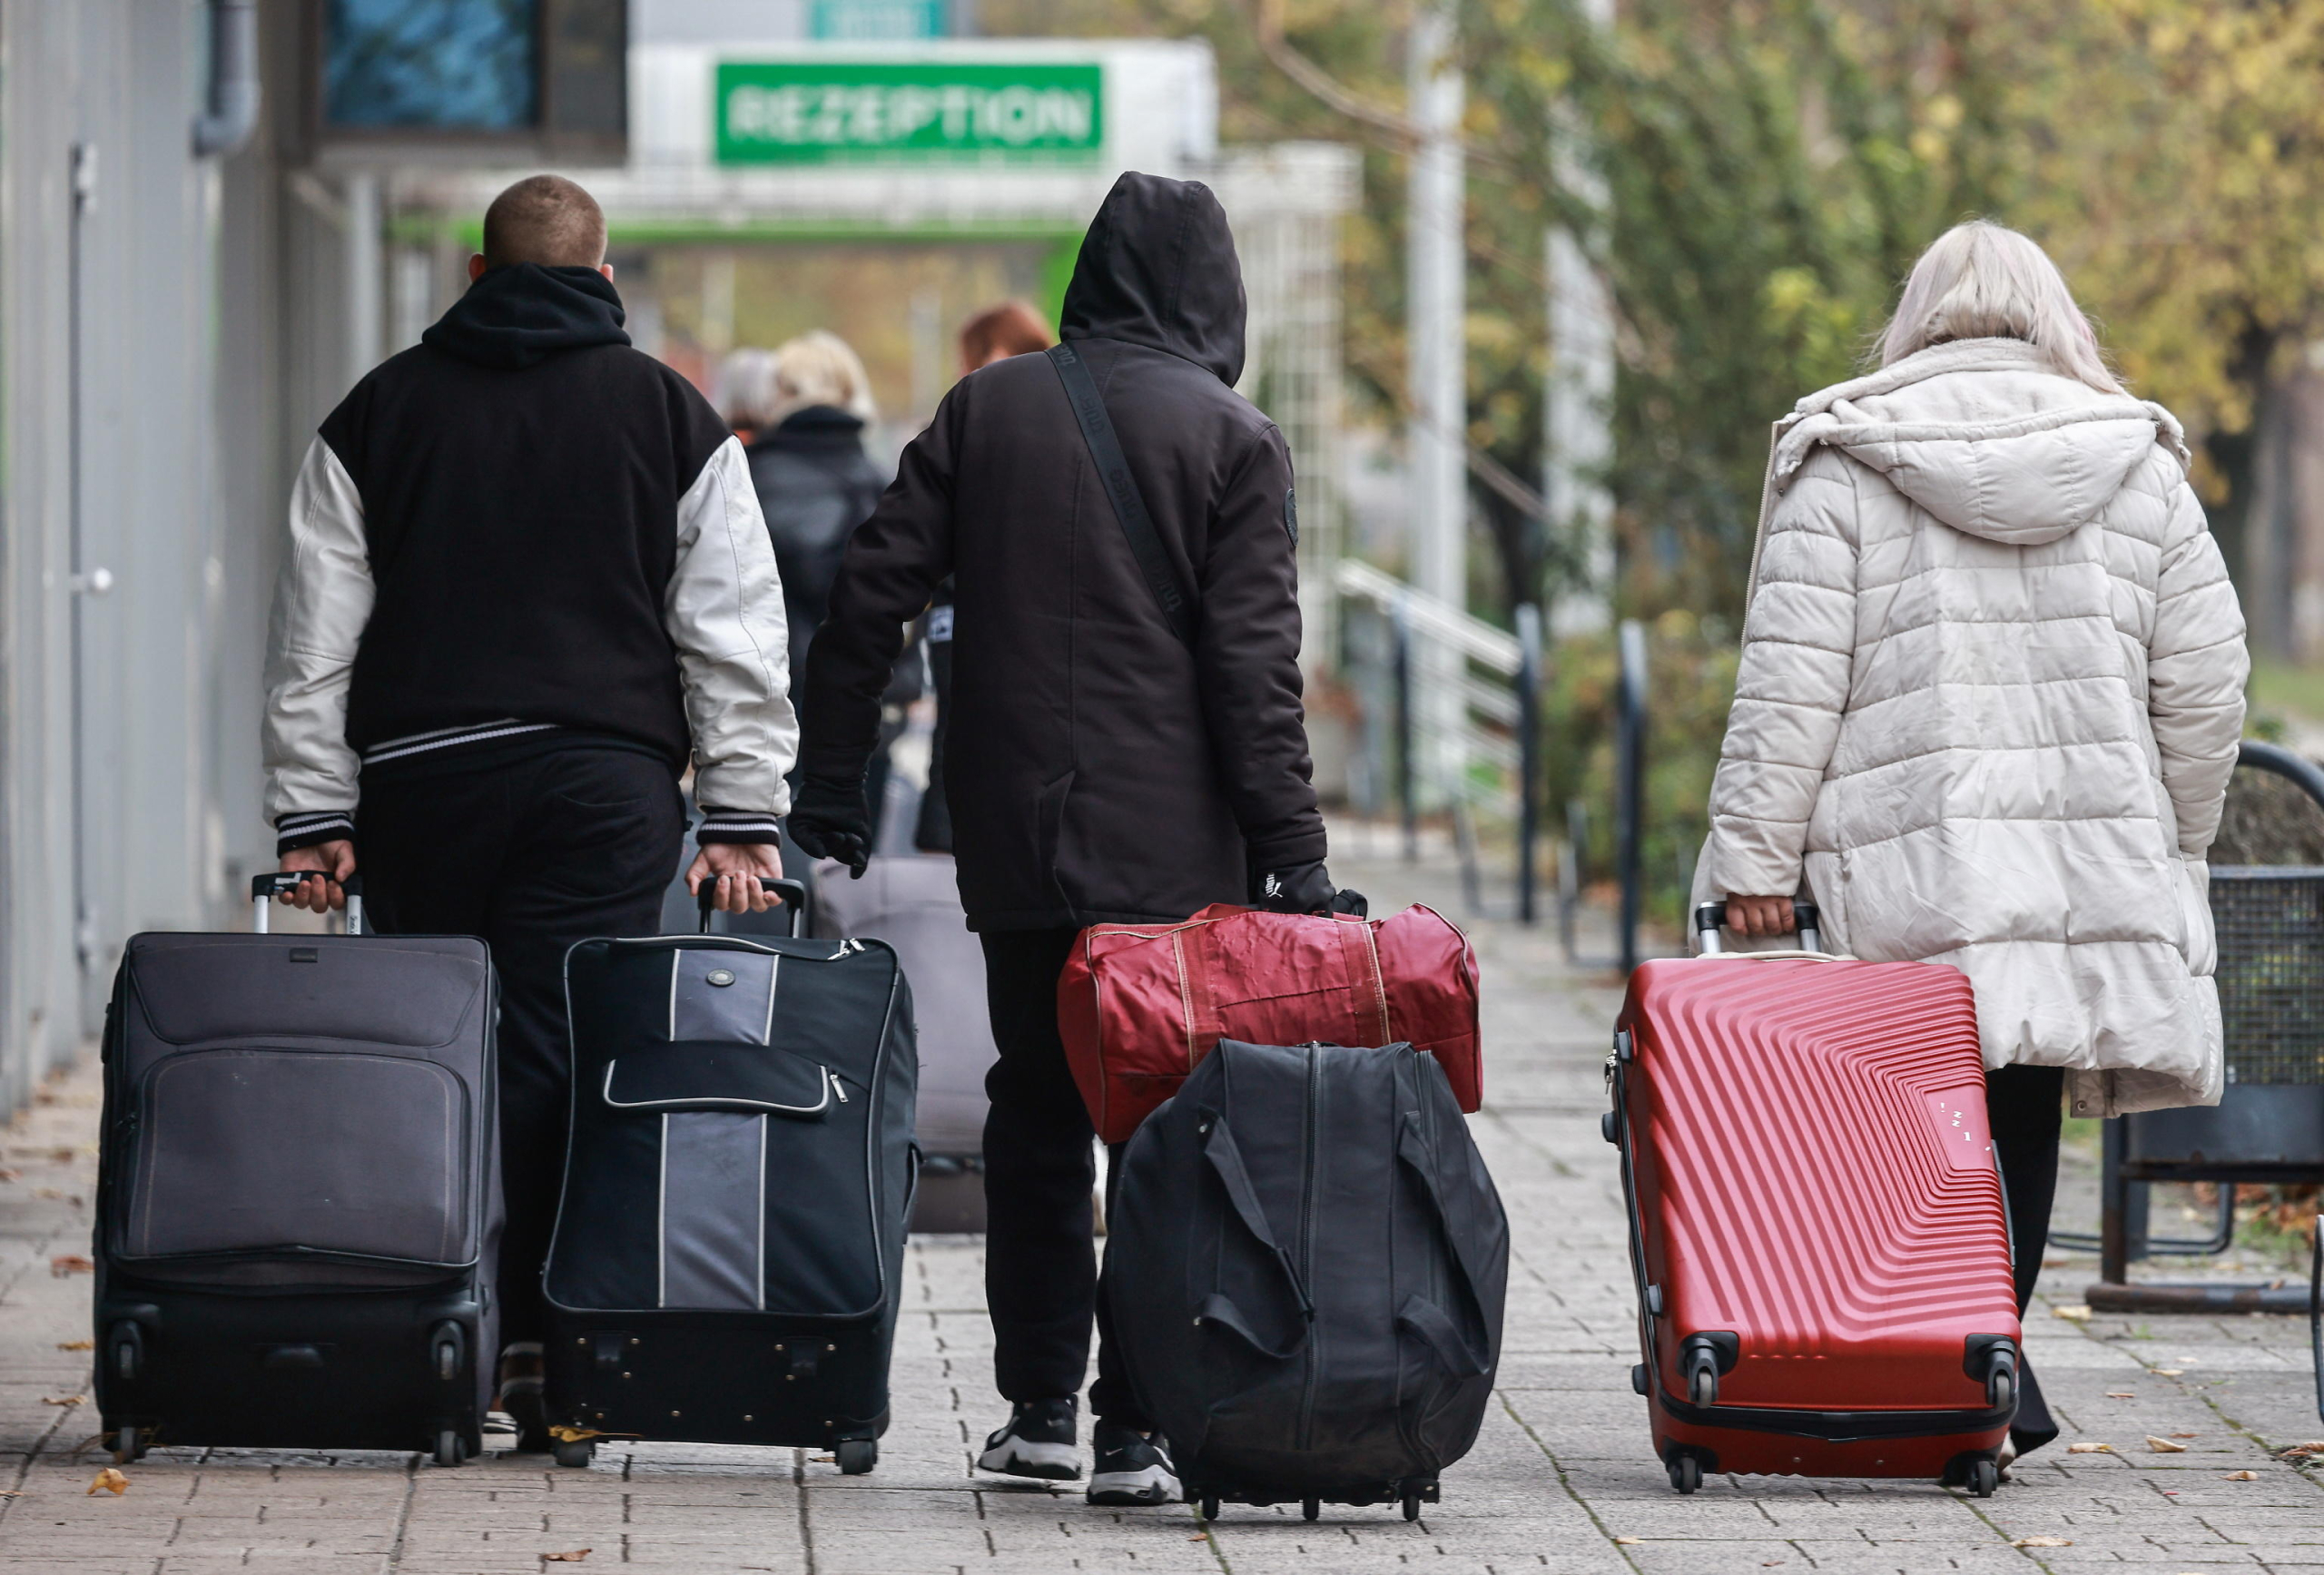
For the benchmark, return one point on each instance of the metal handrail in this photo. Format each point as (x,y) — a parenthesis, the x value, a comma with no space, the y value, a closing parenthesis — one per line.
(1431,617)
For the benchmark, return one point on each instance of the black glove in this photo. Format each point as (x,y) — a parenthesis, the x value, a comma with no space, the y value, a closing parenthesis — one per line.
(832,819)
(1304,889)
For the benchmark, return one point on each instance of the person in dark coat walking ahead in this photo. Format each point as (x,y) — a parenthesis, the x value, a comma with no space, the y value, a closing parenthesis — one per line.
(526,587)
(1099,770)
(815,483)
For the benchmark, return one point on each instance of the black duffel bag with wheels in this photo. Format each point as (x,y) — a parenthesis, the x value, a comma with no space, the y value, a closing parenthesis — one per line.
(731,1234)
(1306,1269)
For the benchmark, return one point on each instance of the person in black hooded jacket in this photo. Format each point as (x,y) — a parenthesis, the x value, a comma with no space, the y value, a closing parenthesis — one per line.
(526,587)
(1099,768)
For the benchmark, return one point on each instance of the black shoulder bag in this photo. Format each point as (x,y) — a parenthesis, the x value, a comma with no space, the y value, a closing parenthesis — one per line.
(1176,599)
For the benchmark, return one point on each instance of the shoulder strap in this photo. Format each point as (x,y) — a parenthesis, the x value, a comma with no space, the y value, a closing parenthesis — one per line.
(1176,599)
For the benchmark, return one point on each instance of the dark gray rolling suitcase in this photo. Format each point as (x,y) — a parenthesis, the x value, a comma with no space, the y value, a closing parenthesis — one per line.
(914,903)
(299,1192)
(1305,1274)
(730,1239)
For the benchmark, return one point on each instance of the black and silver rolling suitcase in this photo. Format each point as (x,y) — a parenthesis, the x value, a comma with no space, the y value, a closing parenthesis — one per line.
(1305,1271)
(299,1194)
(731,1235)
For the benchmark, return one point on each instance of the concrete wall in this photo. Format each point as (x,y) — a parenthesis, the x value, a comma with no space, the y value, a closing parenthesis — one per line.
(157,375)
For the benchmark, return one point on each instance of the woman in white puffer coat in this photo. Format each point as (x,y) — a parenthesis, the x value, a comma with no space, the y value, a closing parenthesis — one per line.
(1990,696)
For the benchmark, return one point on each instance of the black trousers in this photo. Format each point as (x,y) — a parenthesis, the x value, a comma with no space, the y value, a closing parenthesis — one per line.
(1040,1265)
(532,856)
(2024,1107)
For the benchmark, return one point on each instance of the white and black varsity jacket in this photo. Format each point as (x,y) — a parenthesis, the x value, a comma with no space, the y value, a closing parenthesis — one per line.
(523,526)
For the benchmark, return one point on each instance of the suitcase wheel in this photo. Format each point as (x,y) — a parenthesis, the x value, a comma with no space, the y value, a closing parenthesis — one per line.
(856,1456)
(1411,1505)
(579,1452)
(1686,1471)
(1984,1478)
(451,1449)
(1311,1509)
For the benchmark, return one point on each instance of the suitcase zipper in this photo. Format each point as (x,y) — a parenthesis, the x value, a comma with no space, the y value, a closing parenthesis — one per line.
(1309,1356)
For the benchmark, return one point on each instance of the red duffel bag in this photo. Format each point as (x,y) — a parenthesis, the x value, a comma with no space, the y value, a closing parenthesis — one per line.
(1141,1004)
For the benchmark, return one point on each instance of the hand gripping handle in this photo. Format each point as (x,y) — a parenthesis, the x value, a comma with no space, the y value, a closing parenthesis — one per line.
(1710,916)
(792,892)
(275,883)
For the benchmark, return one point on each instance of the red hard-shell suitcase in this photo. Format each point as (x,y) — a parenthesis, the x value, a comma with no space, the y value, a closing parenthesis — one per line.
(1816,1225)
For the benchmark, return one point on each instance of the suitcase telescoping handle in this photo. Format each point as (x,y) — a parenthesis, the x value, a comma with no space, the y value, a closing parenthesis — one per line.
(792,892)
(1709,916)
(266,888)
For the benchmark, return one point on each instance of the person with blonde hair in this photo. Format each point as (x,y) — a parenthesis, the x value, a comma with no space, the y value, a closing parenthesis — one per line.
(1990,694)
(815,483)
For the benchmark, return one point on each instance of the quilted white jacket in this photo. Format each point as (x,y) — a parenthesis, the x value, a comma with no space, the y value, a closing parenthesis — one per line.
(1991,690)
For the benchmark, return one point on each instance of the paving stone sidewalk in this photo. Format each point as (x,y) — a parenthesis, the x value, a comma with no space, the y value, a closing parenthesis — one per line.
(1560,1481)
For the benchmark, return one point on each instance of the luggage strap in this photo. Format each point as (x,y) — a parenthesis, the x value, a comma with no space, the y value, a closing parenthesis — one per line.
(1176,600)
(1225,1158)
(1421,1315)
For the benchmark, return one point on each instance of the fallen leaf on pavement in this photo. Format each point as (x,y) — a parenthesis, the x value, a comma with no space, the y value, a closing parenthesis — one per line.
(76,1344)
(2087,1447)
(2169,1372)
(10,1175)
(65,1264)
(110,1479)
(2186,1435)
(63,1399)
(2164,1446)
(2043,1542)
(2241,1477)
(2302,1451)
(2121,1394)
(2077,1313)
(11,1494)
(1626,1542)
(575,1556)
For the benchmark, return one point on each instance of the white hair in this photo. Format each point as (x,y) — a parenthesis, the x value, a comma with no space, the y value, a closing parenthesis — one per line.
(746,388)
(1985,280)
(818,369)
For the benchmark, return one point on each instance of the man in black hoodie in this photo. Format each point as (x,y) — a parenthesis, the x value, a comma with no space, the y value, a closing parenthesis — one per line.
(1100,768)
(527,584)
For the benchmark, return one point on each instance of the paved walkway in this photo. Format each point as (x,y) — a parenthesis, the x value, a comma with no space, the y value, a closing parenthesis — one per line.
(1560,1481)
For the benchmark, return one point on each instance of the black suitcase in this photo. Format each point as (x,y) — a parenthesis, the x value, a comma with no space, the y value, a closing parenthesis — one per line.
(1306,1269)
(299,1192)
(731,1235)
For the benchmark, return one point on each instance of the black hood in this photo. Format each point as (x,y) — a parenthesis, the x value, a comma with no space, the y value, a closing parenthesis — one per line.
(522,313)
(1157,269)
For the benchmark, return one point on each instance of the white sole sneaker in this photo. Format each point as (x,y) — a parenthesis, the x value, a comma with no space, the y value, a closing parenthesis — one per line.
(1154,1485)
(1016,1457)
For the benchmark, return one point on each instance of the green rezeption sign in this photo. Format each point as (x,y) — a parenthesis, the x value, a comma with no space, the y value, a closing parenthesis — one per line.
(814,113)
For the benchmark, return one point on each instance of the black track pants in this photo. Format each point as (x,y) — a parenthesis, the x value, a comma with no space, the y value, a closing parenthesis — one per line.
(1040,1265)
(2024,1106)
(531,856)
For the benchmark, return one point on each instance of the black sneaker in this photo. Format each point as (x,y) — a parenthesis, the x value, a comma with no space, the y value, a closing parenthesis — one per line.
(1038,1442)
(1132,1467)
